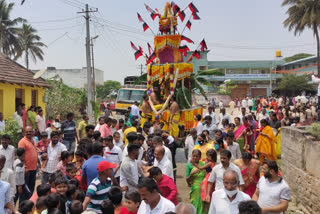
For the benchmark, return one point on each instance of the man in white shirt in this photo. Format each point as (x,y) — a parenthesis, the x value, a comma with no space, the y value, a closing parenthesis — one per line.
(129,169)
(113,154)
(272,193)
(18,118)
(2,123)
(53,154)
(210,126)
(211,112)
(7,150)
(250,104)
(163,162)
(217,172)
(152,202)
(226,200)
(157,141)
(135,111)
(233,147)
(190,143)
(242,115)
(7,175)
(223,115)
(101,122)
(262,115)
(40,121)
(244,103)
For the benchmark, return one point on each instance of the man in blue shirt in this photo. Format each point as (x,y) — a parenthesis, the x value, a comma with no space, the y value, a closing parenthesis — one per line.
(68,128)
(5,196)
(89,168)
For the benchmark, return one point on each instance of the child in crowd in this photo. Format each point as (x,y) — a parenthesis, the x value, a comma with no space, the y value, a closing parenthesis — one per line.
(79,161)
(218,134)
(49,130)
(117,140)
(232,146)
(166,185)
(132,203)
(80,195)
(60,137)
(19,169)
(71,195)
(42,145)
(114,125)
(42,190)
(75,207)
(40,205)
(52,202)
(107,207)
(26,207)
(71,171)
(61,186)
(66,157)
(74,182)
(115,195)
(102,183)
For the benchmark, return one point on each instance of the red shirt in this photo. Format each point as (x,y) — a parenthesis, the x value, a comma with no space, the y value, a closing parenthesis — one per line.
(43,145)
(168,189)
(125,211)
(105,130)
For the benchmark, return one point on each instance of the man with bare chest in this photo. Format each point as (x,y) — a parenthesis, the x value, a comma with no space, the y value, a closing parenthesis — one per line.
(146,114)
(174,117)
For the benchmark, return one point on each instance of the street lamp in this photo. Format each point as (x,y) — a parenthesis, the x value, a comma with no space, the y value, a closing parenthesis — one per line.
(93,72)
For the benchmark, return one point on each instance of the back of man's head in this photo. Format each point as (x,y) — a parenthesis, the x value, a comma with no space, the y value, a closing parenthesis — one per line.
(97,148)
(185,208)
(43,190)
(249,207)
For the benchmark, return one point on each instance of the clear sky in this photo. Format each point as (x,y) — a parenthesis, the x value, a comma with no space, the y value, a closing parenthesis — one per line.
(233,29)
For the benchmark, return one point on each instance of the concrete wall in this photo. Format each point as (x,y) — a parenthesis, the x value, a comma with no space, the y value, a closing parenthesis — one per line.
(75,78)
(301,167)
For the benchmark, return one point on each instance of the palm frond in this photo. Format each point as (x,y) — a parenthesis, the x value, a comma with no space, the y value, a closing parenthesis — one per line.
(209,72)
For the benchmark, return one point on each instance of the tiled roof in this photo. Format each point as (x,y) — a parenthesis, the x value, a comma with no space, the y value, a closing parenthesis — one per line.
(12,72)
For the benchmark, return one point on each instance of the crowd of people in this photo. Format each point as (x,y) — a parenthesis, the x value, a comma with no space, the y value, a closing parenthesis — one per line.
(125,166)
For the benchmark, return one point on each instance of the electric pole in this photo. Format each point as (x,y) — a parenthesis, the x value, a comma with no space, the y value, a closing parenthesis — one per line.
(88,56)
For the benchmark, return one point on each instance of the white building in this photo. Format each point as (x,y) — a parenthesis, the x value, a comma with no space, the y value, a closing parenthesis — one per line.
(75,78)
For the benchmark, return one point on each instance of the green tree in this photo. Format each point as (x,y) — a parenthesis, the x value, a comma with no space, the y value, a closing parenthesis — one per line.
(201,78)
(297,57)
(9,39)
(62,99)
(30,44)
(293,85)
(304,14)
(226,89)
(108,87)
(12,129)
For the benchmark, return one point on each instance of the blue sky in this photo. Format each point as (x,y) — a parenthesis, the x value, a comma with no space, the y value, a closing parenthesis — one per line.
(233,29)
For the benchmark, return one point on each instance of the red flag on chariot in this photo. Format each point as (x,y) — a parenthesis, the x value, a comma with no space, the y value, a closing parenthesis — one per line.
(193,8)
(183,49)
(182,15)
(140,18)
(203,45)
(175,8)
(138,52)
(151,58)
(189,24)
(150,49)
(186,39)
(145,26)
(195,16)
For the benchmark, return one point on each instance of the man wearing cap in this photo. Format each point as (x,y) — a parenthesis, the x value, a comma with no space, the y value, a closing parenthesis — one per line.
(99,187)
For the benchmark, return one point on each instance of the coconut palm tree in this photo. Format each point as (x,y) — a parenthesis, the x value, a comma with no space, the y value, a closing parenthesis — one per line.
(9,41)
(30,44)
(304,14)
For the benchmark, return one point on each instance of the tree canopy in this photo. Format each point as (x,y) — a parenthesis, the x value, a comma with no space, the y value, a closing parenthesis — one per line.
(104,91)
(297,57)
(293,85)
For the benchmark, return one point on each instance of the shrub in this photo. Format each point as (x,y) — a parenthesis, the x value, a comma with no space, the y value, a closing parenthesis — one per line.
(314,130)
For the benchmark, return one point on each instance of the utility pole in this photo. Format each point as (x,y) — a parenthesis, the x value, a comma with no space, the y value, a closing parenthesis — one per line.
(88,56)
(93,71)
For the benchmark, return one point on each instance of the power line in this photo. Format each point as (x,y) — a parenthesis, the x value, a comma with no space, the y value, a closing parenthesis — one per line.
(72,4)
(57,20)
(61,28)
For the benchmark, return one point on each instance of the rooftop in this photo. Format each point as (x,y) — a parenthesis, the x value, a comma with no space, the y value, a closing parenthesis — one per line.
(14,73)
(301,60)
(246,64)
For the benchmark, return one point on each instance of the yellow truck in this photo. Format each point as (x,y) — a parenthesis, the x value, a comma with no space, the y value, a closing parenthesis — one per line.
(127,95)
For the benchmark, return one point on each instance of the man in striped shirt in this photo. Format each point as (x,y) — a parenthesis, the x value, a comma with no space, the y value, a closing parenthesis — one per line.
(99,187)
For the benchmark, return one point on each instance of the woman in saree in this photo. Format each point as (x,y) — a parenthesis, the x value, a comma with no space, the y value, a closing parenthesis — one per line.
(265,143)
(194,177)
(243,133)
(250,172)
